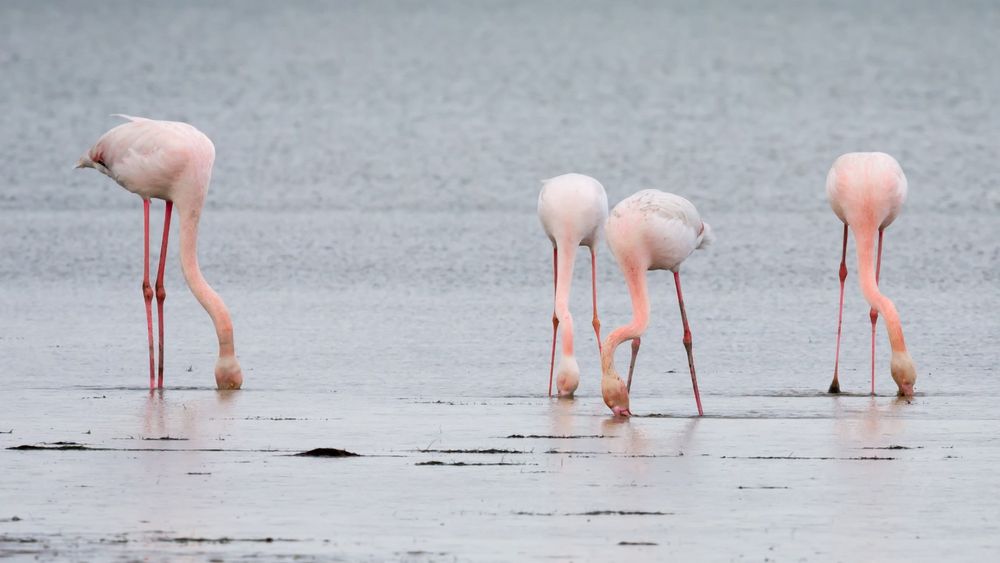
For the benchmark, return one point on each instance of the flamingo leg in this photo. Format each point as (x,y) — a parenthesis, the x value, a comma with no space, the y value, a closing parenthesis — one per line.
(147,290)
(873,313)
(161,293)
(835,384)
(593,284)
(555,319)
(631,364)
(687,342)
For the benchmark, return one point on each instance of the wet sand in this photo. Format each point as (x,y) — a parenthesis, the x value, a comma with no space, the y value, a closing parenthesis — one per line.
(188,473)
(371,226)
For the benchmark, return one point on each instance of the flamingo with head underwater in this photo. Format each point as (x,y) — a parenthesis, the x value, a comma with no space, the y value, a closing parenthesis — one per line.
(171,161)
(649,230)
(572,209)
(867,191)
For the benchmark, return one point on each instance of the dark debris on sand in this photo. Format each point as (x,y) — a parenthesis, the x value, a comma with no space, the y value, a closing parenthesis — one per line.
(327,452)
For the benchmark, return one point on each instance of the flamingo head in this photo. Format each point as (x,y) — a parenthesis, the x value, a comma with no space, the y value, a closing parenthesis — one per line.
(228,374)
(615,393)
(568,376)
(904,373)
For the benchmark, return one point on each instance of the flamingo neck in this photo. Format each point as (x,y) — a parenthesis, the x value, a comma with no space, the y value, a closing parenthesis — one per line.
(564,282)
(864,237)
(635,278)
(189,214)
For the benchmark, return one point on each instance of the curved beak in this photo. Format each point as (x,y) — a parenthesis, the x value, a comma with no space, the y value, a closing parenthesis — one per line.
(906,389)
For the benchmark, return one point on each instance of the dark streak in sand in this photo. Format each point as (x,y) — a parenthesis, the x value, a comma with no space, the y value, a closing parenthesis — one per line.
(167,438)
(892,447)
(861,458)
(224,540)
(637,543)
(465,464)
(763,487)
(52,446)
(563,437)
(327,452)
(598,513)
(73,446)
(483,451)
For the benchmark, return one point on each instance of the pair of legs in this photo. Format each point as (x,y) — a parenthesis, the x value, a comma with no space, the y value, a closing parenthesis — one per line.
(687,346)
(147,290)
(555,320)
(872,314)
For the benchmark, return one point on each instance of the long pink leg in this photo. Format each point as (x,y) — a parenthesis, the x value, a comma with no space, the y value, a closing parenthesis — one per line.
(593,284)
(631,364)
(687,342)
(873,313)
(147,290)
(835,384)
(161,293)
(555,319)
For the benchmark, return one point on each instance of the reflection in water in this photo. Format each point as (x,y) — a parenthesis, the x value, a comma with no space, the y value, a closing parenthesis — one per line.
(154,415)
(562,415)
(183,419)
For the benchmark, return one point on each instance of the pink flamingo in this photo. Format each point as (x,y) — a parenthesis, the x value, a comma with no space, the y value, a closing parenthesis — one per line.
(867,191)
(171,161)
(649,230)
(572,209)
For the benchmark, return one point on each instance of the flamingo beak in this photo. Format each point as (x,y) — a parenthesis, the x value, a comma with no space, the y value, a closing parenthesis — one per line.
(906,389)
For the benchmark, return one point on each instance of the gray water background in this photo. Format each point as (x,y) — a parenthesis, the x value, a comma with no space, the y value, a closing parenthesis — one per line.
(371,225)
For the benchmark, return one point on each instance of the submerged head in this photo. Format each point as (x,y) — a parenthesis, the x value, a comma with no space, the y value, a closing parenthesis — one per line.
(567,376)
(228,374)
(615,393)
(904,373)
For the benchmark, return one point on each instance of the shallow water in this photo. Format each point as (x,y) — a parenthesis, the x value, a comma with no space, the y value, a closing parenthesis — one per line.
(371,226)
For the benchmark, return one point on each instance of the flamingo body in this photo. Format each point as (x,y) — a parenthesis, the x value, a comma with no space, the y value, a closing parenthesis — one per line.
(572,209)
(649,230)
(171,161)
(655,230)
(867,192)
(866,188)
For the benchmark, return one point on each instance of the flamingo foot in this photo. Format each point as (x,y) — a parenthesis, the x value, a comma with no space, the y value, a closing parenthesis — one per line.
(834,387)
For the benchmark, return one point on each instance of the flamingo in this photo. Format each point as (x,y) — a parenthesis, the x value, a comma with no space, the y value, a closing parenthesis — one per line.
(867,191)
(649,230)
(572,209)
(171,161)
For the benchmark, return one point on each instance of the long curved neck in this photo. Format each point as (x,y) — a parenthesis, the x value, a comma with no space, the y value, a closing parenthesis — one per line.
(864,238)
(635,278)
(564,282)
(189,213)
